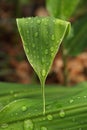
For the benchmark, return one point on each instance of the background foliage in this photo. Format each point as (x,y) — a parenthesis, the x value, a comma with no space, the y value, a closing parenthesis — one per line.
(14,66)
(21,105)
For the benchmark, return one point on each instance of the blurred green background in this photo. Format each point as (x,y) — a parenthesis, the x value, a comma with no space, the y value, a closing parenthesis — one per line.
(14,66)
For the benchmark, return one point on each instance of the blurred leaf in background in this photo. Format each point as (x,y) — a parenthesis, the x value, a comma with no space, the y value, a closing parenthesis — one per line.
(78,42)
(62,9)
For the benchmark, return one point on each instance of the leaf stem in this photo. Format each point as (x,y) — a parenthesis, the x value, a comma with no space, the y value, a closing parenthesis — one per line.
(43,95)
(65,72)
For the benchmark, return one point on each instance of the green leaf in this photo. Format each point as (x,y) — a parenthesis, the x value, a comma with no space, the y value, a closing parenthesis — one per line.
(61,8)
(41,39)
(66,108)
(78,42)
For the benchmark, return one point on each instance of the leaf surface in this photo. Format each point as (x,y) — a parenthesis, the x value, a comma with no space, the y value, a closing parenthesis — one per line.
(66,108)
(41,39)
(61,8)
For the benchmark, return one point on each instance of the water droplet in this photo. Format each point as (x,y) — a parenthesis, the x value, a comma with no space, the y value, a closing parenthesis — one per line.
(27,50)
(15,95)
(62,113)
(16,113)
(52,37)
(28,125)
(38,21)
(54,21)
(58,41)
(29,18)
(43,128)
(52,48)
(43,20)
(36,34)
(28,31)
(50,117)
(71,101)
(52,54)
(46,51)
(85,96)
(24,108)
(45,23)
(43,72)
(4,126)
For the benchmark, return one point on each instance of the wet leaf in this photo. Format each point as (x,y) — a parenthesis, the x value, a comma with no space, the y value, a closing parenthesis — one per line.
(41,39)
(66,108)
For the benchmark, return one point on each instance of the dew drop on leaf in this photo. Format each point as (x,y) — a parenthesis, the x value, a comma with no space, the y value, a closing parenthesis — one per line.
(43,72)
(50,117)
(62,113)
(78,97)
(28,31)
(54,21)
(45,22)
(24,108)
(28,125)
(43,60)
(4,126)
(27,50)
(29,18)
(85,96)
(52,48)
(43,128)
(53,37)
(15,95)
(46,51)
(16,113)
(71,101)
(38,21)
(52,54)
